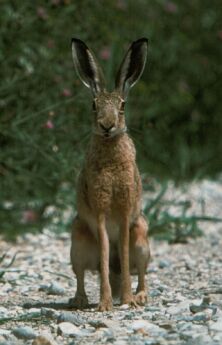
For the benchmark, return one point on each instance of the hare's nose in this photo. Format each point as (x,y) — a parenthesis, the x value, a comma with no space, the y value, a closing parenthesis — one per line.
(106,129)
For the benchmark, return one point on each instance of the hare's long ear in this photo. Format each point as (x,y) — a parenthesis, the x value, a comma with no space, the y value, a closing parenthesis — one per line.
(87,67)
(132,66)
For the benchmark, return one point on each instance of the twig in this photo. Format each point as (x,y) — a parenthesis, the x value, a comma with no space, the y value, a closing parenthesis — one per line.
(2,257)
(213,290)
(189,219)
(10,270)
(59,275)
(6,269)
(26,317)
(13,259)
(157,199)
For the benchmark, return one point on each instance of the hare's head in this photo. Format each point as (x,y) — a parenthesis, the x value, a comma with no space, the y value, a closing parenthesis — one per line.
(108,107)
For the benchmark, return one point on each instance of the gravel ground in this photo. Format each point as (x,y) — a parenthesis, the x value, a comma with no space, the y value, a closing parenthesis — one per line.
(185,288)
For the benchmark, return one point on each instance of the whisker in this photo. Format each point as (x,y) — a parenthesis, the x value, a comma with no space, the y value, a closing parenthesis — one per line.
(135,130)
(85,136)
(46,109)
(149,157)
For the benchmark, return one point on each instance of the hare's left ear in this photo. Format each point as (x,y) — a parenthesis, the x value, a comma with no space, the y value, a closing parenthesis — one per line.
(132,66)
(87,67)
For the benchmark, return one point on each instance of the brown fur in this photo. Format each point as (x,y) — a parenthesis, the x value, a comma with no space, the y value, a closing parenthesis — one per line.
(109,232)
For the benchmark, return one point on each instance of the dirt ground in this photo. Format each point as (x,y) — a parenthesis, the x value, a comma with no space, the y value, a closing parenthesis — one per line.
(185,288)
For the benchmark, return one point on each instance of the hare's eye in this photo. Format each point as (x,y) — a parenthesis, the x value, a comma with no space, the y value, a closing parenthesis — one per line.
(122,106)
(94,106)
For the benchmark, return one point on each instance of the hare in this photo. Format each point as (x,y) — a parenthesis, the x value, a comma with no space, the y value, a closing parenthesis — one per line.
(110,232)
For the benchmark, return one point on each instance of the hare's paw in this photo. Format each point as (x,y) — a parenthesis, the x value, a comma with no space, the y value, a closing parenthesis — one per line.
(79,302)
(141,297)
(130,300)
(106,304)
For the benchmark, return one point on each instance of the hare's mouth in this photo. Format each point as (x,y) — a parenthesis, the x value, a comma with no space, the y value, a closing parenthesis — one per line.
(107,135)
(111,135)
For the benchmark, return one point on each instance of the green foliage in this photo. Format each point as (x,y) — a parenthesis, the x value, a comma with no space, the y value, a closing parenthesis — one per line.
(174,113)
(173,229)
(164,225)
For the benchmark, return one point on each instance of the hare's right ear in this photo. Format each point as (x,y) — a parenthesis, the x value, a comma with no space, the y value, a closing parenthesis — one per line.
(132,66)
(87,67)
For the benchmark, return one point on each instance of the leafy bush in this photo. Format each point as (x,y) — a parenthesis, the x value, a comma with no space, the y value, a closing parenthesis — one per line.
(174,113)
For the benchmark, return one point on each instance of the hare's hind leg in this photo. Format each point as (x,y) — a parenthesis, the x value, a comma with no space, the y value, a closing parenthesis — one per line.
(84,255)
(140,254)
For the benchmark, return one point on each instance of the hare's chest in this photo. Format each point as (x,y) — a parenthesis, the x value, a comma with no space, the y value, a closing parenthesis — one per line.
(110,189)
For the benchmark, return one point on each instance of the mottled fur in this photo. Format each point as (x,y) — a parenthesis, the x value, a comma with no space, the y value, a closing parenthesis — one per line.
(109,233)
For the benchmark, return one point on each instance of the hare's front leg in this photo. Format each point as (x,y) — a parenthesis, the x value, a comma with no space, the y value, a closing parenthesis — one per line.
(105,303)
(84,255)
(139,255)
(126,289)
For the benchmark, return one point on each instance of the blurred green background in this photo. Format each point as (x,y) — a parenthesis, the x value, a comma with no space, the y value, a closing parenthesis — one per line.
(173,113)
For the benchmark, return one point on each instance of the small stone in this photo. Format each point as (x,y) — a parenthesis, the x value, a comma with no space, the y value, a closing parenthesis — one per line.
(55,289)
(44,287)
(154,293)
(129,316)
(193,331)
(121,342)
(179,308)
(111,324)
(71,317)
(49,313)
(7,287)
(25,290)
(4,332)
(184,326)
(202,339)
(217,326)
(186,318)
(152,309)
(218,337)
(162,287)
(2,341)
(25,332)
(43,340)
(35,311)
(124,307)
(196,308)
(5,342)
(201,317)
(164,263)
(67,329)
(152,269)
(146,326)
(97,323)
(3,311)
(166,325)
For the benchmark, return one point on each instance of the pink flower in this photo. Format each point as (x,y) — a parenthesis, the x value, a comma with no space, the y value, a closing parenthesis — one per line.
(50,44)
(66,93)
(57,79)
(49,124)
(41,13)
(183,86)
(29,216)
(55,2)
(105,53)
(171,7)
(219,34)
(121,4)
